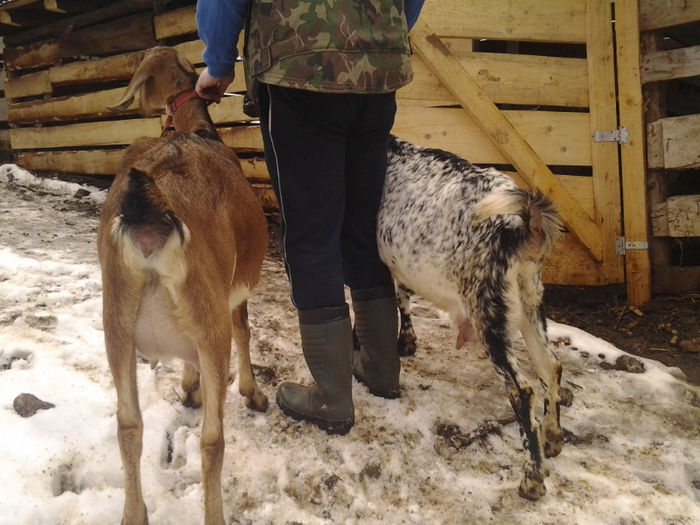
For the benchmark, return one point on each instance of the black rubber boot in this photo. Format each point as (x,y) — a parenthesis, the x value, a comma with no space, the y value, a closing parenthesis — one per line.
(377,364)
(326,339)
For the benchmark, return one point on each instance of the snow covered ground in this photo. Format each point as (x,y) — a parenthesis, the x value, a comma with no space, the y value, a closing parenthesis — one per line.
(632,457)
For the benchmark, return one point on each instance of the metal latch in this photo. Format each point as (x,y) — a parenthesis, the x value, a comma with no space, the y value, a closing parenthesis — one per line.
(621,246)
(620,135)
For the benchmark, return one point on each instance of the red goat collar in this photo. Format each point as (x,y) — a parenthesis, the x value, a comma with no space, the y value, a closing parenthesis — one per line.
(177,102)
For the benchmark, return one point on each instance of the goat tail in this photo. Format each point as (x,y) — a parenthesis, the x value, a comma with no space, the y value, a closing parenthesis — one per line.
(541,223)
(142,202)
(145,214)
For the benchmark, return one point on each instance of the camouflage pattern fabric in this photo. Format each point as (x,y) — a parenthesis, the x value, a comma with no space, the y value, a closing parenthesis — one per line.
(344,46)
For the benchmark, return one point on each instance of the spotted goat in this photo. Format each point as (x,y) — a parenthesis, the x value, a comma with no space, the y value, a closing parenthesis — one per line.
(471,242)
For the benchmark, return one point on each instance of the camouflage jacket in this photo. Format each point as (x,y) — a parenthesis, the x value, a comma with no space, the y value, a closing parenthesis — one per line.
(358,46)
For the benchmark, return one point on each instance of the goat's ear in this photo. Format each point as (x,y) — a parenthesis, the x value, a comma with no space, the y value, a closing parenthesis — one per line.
(185,64)
(137,86)
(134,87)
(129,96)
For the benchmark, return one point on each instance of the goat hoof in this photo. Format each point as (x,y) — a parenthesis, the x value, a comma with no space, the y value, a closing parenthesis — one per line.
(193,399)
(257,402)
(566,397)
(552,449)
(532,487)
(553,443)
(406,346)
(129,521)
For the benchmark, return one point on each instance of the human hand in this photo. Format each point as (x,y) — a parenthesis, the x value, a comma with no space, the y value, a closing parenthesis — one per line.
(212,88)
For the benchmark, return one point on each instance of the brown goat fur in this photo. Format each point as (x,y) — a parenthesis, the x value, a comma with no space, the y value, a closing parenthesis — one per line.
(181,242)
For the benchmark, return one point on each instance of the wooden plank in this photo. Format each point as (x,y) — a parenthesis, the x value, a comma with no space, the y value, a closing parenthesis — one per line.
(634,195)
(254,168)
(426,43)
(242,138)
(73,6)
(672,143)
(175,23)
(529,20)
(64,25)
(603,116)
(191,50)
(106,162)
(509,79)
(582,187)
(669,65)
(130,33)
(230,109)
(7,20)
(93,162)
(266,195)
(119,67)
(37,54)
(109,133)
(29,85)
(560,138)
(655,14)
(679,216)
(29,16)
(655,145)
(570,264)
(16,4)
(681,142)
(90,105)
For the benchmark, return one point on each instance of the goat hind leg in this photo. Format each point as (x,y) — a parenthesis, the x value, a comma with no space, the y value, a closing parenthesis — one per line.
(521,398)
(247,386)
(406,343)
(214,351)
(121,355)
(549,370)
(534,330)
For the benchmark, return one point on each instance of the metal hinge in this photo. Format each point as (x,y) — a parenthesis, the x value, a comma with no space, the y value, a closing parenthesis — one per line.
(621,246)
(620,135)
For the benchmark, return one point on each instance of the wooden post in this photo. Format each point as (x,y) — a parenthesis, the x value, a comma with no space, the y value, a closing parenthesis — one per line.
(600,52)
(634,195)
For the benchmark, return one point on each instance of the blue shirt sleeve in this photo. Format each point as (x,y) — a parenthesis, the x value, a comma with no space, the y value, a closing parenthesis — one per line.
(219,24)
(412,9)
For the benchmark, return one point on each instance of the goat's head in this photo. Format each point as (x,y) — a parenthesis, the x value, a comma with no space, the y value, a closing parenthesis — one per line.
(160,77)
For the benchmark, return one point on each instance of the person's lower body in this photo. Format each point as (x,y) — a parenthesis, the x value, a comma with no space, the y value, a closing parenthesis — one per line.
(326,154)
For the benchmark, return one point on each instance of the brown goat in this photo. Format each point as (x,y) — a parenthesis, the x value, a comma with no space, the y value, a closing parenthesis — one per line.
(181,241)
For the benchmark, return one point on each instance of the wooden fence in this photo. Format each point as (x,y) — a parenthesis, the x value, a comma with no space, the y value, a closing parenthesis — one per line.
(670,73)
(529,86)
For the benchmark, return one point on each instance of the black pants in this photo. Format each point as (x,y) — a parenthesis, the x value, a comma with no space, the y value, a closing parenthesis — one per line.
(326,154)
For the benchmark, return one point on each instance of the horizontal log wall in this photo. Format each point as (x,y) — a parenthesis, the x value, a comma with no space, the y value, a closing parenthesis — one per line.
(671,61)
(60,123)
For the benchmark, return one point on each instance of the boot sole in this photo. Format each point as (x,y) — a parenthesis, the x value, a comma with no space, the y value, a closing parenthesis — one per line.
(339,428)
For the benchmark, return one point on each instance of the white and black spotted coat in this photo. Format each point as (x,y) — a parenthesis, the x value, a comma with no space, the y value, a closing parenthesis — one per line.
(426,231)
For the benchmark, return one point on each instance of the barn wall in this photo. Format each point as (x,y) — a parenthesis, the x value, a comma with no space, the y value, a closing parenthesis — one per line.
(670,73)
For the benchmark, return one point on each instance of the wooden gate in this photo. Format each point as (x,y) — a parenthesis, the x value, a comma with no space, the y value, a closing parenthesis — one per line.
(539,114)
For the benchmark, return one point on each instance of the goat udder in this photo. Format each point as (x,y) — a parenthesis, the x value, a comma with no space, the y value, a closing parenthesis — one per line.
(466,334)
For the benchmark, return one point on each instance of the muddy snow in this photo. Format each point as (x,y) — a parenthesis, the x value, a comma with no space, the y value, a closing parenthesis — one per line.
(446,452)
